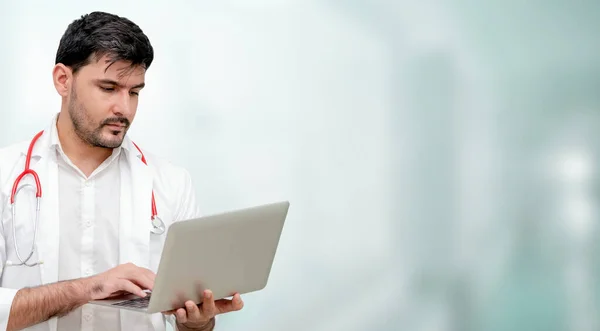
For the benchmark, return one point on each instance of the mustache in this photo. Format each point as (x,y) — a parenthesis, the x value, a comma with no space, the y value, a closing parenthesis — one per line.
(116,120)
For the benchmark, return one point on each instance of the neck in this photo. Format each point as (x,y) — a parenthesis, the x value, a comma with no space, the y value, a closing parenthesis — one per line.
(83,155)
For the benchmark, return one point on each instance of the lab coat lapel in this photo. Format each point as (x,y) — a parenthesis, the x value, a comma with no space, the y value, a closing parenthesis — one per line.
(48,227)
(49,216)
(136,195)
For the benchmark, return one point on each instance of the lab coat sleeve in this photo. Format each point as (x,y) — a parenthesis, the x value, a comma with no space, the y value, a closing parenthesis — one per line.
(188,206)
(7,295)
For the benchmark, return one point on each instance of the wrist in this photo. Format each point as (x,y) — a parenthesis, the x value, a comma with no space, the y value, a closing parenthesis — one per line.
(208,326)
(85,287)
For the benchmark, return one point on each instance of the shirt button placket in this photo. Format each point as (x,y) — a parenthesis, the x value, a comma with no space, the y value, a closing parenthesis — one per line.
(87,245)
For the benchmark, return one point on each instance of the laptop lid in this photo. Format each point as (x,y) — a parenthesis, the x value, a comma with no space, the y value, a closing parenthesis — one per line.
(226,253)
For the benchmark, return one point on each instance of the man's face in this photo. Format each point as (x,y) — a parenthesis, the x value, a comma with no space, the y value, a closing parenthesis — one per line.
(103,102)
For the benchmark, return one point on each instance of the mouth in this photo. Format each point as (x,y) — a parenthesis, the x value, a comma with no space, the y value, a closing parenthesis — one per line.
(115,125)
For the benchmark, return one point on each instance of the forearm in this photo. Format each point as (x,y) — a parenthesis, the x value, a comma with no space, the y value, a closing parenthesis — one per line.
(210,326)
(35,305)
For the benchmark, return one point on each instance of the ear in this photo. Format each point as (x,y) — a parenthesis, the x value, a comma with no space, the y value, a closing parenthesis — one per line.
(63,78)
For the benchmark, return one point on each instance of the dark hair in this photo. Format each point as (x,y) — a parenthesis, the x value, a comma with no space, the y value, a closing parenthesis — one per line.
(98,34)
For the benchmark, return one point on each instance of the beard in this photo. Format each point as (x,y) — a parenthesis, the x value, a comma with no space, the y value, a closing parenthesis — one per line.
(92,133)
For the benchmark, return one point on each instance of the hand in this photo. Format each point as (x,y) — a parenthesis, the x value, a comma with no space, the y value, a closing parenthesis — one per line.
(199,316)
(122,279)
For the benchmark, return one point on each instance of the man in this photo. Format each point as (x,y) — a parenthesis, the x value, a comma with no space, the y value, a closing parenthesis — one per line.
(92,238)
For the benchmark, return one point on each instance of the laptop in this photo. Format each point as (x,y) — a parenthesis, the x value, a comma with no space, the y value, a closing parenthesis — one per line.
(227,253)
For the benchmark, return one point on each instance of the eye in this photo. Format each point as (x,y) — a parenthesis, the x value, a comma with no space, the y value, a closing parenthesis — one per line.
(107,89)
(134,93)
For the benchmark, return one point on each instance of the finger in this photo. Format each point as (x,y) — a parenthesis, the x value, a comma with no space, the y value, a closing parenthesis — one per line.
(225,306)
(181,315)
(142,276)
(143,284)
(149,273)
(193,312)
(142,280)
(208,305)
(126,285)
(238,303)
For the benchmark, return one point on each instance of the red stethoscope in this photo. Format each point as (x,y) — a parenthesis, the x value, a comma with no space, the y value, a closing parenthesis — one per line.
(158,226)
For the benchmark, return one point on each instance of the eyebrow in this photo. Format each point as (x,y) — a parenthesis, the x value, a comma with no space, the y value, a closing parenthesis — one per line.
(113,82)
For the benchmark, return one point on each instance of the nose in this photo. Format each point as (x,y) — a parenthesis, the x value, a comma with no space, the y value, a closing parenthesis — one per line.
(122,105)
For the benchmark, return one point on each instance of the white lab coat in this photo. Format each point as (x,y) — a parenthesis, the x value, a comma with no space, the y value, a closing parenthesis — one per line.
(175,200)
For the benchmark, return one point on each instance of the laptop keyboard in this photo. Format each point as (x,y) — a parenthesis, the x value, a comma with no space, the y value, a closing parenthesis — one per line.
(135,303)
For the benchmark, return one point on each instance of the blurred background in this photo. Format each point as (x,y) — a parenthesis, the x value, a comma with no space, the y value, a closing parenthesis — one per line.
(439,156)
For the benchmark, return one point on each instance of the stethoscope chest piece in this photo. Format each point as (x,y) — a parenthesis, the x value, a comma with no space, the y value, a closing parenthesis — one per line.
(158,226)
